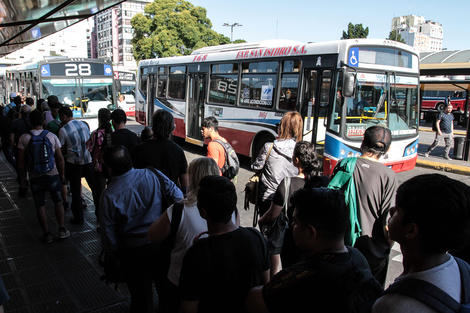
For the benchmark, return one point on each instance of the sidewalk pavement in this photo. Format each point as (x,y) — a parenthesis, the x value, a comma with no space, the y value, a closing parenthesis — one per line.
(435,159)
(63,276)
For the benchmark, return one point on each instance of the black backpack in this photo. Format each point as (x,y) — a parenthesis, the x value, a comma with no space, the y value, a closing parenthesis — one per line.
(433,296)
(231,165)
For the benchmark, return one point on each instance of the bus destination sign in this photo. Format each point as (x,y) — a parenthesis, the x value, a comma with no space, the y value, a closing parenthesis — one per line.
(74,69)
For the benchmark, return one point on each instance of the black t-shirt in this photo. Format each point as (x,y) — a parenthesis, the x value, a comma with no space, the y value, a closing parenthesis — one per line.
(324,283)
(165,155)
(19,127)
(219,271)
(290,253)
(123,137)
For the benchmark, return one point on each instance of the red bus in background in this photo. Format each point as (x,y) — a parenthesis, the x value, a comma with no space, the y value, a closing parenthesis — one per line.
(436,93)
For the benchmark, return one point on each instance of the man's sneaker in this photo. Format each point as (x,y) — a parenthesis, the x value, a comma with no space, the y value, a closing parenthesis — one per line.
(47,238)
(63,233)
(426,155)
(447,157)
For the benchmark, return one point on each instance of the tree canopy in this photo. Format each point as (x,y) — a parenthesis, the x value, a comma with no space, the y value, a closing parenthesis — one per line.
(396,36)
(355,31)
(172,27)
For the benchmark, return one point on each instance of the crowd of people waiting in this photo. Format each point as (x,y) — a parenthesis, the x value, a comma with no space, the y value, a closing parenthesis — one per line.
(324,243)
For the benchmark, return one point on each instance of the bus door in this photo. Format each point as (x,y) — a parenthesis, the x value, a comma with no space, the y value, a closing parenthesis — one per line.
(151,96)
(316,98)
(80,103)
(195,107)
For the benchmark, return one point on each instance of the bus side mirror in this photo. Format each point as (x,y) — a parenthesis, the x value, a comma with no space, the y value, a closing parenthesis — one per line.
(349,84)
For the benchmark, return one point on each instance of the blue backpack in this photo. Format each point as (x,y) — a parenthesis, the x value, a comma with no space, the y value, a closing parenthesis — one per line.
(40,154)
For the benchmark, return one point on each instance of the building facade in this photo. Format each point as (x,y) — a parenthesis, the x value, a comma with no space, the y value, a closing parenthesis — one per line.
(112,35)
(424,35)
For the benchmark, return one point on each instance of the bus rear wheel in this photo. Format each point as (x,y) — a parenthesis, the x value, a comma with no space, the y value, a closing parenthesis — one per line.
(258,145)
(440,106)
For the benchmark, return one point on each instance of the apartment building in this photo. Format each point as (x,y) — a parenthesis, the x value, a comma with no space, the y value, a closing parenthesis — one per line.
(424,35)
(111,38)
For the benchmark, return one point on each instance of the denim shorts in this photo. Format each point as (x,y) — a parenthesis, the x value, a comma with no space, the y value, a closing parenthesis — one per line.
(40,185)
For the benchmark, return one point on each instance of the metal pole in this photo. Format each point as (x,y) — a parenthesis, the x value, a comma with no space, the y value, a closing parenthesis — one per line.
(467,137)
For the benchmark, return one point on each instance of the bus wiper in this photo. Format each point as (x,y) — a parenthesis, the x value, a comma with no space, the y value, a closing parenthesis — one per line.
(381,102)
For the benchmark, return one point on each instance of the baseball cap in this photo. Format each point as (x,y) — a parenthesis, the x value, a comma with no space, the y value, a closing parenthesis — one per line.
(12,95)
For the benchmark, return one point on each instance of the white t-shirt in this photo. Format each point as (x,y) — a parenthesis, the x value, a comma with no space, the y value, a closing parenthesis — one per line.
(191,226)
(23,143)
(445,276)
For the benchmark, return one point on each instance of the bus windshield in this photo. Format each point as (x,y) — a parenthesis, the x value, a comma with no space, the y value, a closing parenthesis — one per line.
(84,96)
(371,105)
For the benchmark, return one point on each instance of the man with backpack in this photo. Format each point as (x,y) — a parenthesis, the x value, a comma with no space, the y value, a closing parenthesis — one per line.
(444,129)
(39,151)
(370,188)
(219,149)
(427,224)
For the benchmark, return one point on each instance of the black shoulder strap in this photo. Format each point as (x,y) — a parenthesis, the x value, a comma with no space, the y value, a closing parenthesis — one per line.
(175,221)
(426,293)
(165,200)
(464,268)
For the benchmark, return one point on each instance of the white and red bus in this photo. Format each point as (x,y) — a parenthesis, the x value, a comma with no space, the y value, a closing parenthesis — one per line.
(339,87)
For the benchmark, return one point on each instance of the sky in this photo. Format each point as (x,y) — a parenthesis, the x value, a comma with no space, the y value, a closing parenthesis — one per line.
(317,21)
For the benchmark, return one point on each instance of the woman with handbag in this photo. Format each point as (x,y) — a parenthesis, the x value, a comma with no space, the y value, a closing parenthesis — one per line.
(275,158)
(275,222)
(185,224)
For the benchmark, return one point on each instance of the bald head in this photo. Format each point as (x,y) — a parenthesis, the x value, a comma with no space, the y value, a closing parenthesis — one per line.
(25,109)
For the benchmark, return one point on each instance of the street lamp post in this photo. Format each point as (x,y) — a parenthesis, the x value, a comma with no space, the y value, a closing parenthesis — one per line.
(231,29)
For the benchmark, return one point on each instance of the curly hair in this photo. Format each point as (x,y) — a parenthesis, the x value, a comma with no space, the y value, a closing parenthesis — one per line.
(309,161)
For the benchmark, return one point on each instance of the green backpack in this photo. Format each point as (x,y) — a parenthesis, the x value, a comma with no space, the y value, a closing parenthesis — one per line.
(343,180)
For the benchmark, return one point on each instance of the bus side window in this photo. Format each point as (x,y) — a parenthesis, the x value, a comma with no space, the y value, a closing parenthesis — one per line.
(258,86)
(289,85)
(161,91)
(177,82)
(143,81)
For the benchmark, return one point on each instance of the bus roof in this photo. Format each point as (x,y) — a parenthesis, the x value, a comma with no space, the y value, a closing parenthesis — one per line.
(272,48)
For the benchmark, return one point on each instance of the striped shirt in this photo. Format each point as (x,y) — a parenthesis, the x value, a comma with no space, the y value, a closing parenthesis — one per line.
(74,136)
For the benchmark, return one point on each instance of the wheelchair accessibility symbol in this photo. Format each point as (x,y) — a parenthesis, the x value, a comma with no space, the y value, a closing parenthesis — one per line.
(45,70)
(353,59)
